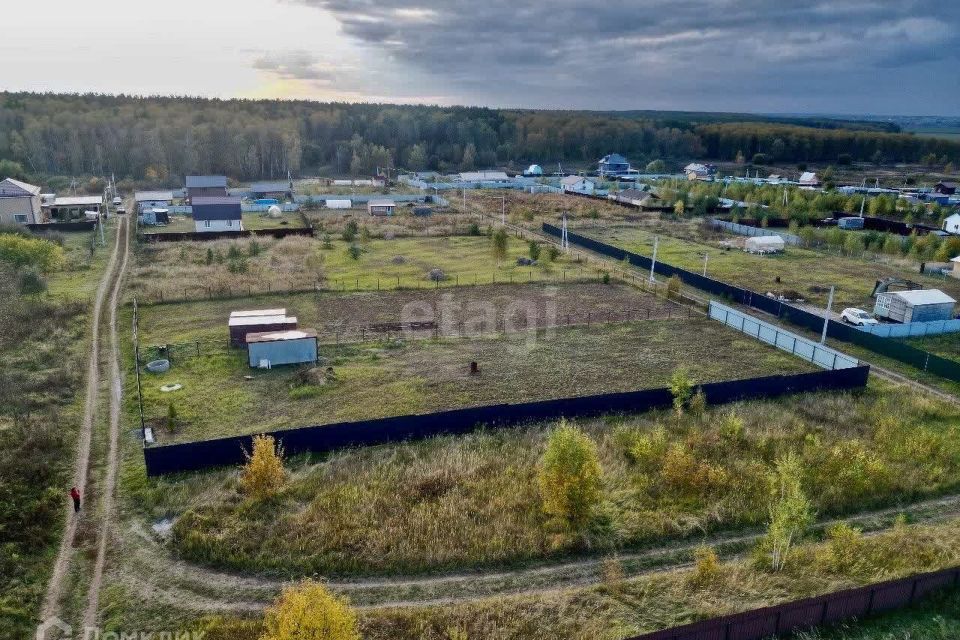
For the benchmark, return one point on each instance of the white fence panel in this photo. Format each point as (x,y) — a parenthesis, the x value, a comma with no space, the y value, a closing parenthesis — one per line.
(786,340)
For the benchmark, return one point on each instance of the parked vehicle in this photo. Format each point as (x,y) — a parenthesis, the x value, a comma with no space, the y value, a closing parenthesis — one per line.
(859,317)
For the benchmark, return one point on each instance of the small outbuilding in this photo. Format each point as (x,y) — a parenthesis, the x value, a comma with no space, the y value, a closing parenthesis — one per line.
(149,200)
(243,323)
(381,207)
(919,305)
(266,350)
(281,190)
(850,223)
(955,269)
(764,244)
(809,179)
(946,188)
(72,208)
(331,203)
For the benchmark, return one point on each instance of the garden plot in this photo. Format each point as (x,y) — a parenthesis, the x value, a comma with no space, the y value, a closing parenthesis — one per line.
(251,221)
(470,310)
(194,270)
(442,222)
(809,273)
(221,395)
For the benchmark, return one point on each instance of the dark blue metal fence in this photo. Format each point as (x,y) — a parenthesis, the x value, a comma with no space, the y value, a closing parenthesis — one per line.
(884,346)
(191,456)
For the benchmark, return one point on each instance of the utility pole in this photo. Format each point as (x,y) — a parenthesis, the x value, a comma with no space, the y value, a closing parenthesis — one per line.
(503,210)
(653,263)
(863,201)
(706,256)
(826,318)
(136,352)
(564,238)
(464,198)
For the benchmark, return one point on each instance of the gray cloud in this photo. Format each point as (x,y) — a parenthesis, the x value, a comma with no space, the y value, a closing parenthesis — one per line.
(756,55)
(294,65)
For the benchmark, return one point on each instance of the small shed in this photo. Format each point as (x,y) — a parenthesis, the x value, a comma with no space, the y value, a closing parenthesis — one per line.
(850,223)
(243,323)
(764,244)
(919,305)
(955,269)
(422,210)
(381,207)
(270,349)
(337,204)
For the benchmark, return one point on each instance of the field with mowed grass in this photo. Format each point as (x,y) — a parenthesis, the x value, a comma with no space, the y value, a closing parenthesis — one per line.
(807,272)
(467,501)
(221,395)
(177,270)
(465,310)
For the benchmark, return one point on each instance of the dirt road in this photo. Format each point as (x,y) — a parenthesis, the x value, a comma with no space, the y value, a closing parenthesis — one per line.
(81,467)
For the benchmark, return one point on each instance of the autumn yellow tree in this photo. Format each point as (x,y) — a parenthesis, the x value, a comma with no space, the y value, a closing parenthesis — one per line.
(263,475)
(308,611)
(570,478)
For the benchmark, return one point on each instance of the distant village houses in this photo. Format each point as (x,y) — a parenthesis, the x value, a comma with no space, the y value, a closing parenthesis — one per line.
(613,165)
(946,188)
(699,171)
(809,179)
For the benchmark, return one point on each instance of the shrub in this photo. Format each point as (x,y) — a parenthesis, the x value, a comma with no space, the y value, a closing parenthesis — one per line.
(605,278)
(309,611)
(350,231)
(790,511)
(534,250)
(707,569)
(681,387)
(30,282)
(254,249)
(570,478)
(233,252)
(263,475)
(209,256)
(35,253)
(327,241)
(553,252)
(698,404)
(474,229)
(171,418)
(673,286)
(732,428)
(354,251)
(498,244)
(843,549)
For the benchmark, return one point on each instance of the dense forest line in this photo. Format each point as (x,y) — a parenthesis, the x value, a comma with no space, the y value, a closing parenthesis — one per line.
(162,139)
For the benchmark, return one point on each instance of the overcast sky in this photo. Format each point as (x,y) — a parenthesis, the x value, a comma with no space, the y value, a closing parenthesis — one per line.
(839,56)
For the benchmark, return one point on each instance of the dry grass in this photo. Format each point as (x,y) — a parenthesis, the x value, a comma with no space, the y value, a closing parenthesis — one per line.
(472,500)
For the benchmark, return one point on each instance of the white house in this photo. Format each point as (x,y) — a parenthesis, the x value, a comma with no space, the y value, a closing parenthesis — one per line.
(217,214)
(19,202)
(809,179)
(150,200)
(952,224)
(577,184)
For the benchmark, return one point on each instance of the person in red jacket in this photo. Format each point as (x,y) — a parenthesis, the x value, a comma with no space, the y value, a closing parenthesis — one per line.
(75,494)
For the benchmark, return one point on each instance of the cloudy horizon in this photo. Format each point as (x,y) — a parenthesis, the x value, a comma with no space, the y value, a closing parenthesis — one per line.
(853,57)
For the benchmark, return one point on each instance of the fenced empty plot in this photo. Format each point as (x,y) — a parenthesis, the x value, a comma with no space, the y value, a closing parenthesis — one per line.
(221,395)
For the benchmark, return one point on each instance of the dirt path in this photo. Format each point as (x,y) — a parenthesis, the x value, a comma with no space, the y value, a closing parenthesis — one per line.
(116,391)
(81,465)
(151,569)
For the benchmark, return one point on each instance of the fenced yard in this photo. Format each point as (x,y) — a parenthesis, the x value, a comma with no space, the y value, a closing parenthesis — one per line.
(221,395)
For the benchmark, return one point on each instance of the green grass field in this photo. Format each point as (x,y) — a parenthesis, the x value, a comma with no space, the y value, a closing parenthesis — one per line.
(251,220)
(797,269)
(195,269)
(946,345)
(421,376)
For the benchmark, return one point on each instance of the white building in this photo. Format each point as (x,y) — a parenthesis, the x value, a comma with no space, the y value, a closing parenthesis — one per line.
(577,184)
(19,202)
(216,214)
(952,224)
(809,179)
(381,207)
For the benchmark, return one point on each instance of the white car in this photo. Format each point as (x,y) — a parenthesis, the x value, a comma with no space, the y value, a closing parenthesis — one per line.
(858,317)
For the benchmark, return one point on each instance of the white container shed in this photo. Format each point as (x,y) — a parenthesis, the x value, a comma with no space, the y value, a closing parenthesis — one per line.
(337,204)
(270,349)
(764,244)
(919,305)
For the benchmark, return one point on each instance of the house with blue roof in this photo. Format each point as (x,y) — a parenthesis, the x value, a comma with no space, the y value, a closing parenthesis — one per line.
(613,164)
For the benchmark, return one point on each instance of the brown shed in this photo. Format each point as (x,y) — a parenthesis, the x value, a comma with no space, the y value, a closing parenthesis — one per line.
(258,321)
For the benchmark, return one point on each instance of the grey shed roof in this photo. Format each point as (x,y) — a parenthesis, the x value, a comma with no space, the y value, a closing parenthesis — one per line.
(924,296)
(614,158)
(148,196)
(199,182)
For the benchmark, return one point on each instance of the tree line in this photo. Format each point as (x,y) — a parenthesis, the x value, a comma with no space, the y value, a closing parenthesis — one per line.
(161,139)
